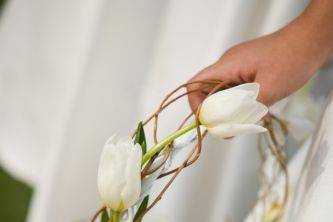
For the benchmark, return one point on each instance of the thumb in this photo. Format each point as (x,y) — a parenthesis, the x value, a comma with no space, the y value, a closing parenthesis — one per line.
(266,92)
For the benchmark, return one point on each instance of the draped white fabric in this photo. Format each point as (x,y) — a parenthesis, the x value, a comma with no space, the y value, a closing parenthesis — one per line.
(313,199)
(73,72)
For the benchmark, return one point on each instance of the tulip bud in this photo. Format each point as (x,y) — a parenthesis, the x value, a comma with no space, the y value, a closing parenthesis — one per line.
(119,173)
(233,111)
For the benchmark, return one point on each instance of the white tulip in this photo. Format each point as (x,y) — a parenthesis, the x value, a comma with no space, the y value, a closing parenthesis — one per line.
(233,111)
(119,173)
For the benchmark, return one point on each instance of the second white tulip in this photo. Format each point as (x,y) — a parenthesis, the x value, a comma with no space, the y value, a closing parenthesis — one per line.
(119,174)
(233,111)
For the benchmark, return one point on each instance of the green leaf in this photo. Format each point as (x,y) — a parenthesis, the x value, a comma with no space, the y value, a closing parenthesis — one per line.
(105,216)
(142,208)
(140,138)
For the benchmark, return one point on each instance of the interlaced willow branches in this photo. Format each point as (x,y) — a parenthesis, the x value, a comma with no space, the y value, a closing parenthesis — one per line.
(274,141)
(209,87)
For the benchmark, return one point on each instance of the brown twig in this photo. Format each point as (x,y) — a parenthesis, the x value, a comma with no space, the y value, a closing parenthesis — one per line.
(189,163)
(93,219)
(159,197)
(164,104)
(167,101)
(195,153)
(277,151)
(170,98)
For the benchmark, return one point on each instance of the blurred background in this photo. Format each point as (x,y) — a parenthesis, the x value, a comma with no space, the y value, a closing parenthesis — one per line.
(15,194)
(74,72)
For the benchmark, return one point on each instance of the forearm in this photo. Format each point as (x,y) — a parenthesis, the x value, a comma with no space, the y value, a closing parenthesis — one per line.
(316,24)
(310,36)
(318,16)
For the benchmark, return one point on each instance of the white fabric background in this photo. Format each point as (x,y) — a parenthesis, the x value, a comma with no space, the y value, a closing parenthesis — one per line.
(74,72)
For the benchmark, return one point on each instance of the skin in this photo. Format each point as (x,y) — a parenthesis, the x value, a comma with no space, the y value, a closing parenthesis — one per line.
(281,62)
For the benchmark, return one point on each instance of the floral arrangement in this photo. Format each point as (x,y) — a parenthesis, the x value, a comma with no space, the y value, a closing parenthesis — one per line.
(128,168)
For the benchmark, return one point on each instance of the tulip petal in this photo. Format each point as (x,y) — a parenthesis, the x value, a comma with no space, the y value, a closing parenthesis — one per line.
(131,191)
(251,88)
(250,112)
(221,106)
(119,176)
(229,130)
(107,172)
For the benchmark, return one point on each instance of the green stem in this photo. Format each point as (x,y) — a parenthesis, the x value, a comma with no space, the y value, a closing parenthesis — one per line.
(161,145)
(115,216)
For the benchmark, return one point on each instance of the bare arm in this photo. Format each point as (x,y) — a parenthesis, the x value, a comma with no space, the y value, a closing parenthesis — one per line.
(281,62)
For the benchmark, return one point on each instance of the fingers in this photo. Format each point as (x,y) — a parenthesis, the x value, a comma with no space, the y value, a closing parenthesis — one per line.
(198,91)
(195,99)
(266,92)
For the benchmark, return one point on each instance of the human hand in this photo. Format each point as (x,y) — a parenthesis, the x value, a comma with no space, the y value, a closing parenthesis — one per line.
(281,62)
